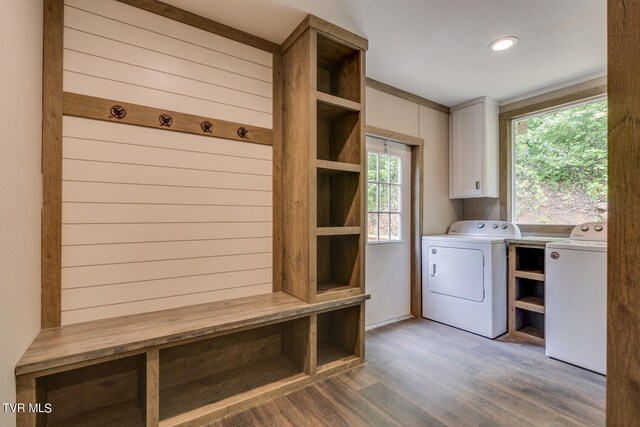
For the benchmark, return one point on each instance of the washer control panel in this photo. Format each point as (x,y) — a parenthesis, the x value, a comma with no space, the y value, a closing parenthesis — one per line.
(486,229)
(595,231)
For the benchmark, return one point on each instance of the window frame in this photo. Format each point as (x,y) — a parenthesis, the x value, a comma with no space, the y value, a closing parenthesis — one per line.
(509,114)
(389,184)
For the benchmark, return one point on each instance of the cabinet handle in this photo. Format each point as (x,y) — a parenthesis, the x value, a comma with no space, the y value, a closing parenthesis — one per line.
(477,185)
(433,269)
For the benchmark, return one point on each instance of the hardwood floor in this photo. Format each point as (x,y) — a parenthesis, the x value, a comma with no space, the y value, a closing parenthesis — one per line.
(422,373)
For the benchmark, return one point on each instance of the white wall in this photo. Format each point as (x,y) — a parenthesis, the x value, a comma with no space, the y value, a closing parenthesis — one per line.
(396,114)
(20,184)
(438,211)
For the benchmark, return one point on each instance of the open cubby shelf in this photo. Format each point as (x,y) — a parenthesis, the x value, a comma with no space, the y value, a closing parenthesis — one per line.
(530,260)
(206,372)
(529,294)
(339,70)
(338,262)
(105,394)
(338,134)
(338,335)
(527,320)
(338,200)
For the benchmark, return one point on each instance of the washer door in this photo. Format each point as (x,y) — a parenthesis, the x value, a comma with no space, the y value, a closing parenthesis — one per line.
(457,272)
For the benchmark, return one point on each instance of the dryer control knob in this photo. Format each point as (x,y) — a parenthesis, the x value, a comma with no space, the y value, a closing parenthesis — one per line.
(480,225)
(495,226)
(504,226)
(584,228)
(598,228)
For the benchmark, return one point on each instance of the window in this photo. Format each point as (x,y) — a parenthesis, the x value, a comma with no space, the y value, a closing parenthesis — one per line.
(560,165)
(383,196)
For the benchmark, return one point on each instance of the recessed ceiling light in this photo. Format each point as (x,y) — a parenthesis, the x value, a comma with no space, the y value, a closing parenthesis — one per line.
(503,43)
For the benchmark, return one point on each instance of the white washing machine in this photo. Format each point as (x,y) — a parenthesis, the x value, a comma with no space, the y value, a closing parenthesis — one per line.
(576,298)
(464,276)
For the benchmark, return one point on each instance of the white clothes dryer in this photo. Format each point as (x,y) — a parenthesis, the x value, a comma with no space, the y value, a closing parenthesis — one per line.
(464,276)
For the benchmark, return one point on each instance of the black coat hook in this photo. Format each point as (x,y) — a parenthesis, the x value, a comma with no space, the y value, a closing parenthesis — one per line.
(206,126)
(118,112)
(243,132)
(165,120)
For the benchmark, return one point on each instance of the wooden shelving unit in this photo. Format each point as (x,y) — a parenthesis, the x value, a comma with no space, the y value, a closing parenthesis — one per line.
(526,291)
(189,365)
(323,163)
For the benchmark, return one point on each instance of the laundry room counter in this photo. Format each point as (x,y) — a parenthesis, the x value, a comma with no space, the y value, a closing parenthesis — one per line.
(535,240)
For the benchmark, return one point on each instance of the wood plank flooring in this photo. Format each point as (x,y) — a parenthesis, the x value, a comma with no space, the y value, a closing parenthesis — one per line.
(422,373)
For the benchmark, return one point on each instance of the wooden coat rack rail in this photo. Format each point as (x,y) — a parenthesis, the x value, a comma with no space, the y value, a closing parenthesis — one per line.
(121,112)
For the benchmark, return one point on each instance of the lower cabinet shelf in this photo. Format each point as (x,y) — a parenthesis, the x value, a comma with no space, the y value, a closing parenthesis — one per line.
(339,336)
(530,325)
(105,394)
(203,373)
(531,303)
(532,331)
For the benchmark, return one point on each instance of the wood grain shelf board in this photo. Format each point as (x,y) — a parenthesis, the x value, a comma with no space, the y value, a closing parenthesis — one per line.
(116,337)
(533,275)
(338,231)
(328,353)
(337,102)
(127,413)
(329,167)
(215,390)
(330,286)
(332,111)
(531,303)
(338,364)
(532,334)
(336,293)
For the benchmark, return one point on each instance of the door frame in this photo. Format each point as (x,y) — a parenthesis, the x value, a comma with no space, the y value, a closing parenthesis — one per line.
(417,152)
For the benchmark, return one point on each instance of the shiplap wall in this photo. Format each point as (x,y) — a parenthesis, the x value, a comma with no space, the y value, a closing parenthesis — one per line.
(154,219)
(116,51)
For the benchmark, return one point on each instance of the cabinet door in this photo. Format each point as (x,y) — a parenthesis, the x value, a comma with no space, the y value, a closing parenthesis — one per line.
(456,272)
(467,152)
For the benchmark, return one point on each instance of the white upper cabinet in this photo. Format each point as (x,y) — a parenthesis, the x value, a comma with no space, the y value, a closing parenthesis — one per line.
(473,149)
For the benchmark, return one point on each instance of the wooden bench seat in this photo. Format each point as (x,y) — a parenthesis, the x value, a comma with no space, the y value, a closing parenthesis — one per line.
(189,363)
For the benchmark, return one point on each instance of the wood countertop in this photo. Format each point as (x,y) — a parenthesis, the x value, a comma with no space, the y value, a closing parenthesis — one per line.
(536,240)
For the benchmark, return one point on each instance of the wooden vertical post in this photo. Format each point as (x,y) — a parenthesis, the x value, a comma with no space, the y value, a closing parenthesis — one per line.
(416,229)
(313,344)
(51,251)
(623,314)
(26,394)
(277,172)
(152,388)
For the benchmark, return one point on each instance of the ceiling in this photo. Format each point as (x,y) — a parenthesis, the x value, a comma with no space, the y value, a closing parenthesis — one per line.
(438,49)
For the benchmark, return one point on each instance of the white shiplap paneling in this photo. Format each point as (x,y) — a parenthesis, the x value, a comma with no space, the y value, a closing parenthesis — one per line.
(116,51)
(155,219)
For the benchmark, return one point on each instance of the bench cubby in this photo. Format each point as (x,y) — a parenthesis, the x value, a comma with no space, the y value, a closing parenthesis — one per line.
(106,394)
(207,372)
